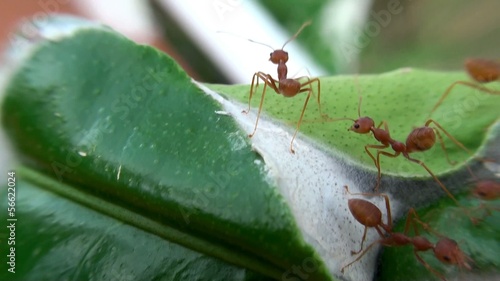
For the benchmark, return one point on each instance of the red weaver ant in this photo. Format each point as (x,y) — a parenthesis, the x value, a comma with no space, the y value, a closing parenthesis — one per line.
(285,86)
(445,250)
(419,140)
(482,71)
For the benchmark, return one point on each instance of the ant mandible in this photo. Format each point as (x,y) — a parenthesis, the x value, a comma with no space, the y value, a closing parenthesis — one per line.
(446,250)
(285,86)
(419,140)
(481,71)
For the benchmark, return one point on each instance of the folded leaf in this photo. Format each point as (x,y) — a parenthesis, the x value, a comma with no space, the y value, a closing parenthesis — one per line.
(125,123)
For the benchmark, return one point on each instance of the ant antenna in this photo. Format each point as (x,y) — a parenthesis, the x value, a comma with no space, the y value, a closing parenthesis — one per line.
(260,43)
(359,106)
(356,82)
(297,33)
(253,41)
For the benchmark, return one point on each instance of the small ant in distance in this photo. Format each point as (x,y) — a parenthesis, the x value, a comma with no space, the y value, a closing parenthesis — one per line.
(485,190)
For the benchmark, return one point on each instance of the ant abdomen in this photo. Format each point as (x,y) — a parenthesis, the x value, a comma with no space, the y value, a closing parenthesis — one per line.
(365,212)
(482,70)
(420,139)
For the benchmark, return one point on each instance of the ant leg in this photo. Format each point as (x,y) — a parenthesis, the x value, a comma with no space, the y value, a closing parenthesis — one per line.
(433,176)
(269,81)
(437,273)
(251,91)
(363,253)
(454,140)
(459,144)
(318,83)
(488,211)
(324,115)
(260,108)
(465,83)
(386,127)
(443,147)
(301,116)
(387,206)
(396,154)
(376,146)
(362,241)
(414,219)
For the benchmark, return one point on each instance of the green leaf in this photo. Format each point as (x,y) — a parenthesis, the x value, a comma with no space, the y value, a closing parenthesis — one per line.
(124,123)
(403,98)
(56,238)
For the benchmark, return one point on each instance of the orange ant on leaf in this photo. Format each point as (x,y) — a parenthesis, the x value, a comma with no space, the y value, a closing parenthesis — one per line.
(419,139)
(287,87)
(445,250)
(481,71)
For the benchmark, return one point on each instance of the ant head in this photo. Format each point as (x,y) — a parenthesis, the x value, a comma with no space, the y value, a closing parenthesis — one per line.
(486,190)
(448,252)
(278,56)
(362,125)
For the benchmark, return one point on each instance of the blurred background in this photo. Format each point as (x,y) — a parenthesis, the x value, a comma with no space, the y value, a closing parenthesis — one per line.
(209,38)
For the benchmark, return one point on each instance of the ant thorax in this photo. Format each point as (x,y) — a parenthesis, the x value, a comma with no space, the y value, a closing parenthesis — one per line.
(282,71)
